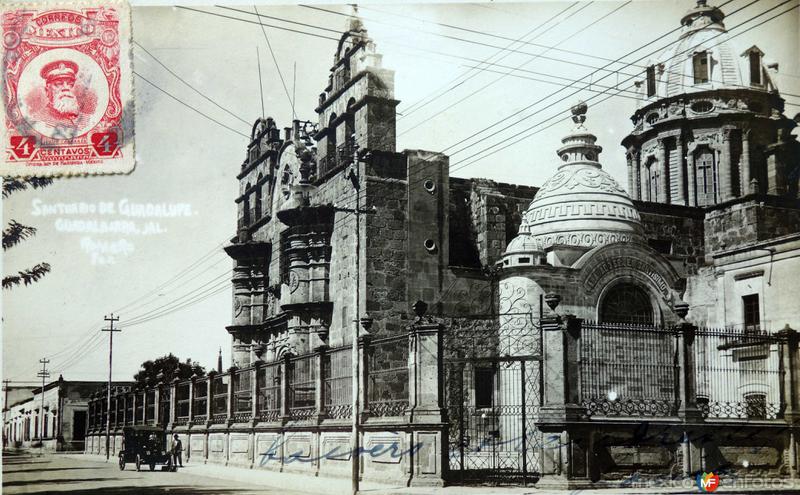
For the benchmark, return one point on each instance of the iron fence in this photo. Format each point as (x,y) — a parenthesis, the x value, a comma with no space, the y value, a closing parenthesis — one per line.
(219,398)
(182,401)
(200,400)
(738,374)
(163,404)
(628,370)
(302,387)
(338,380)
(139,418)
(129,409)
(269,402)
(150,406)
(242,394)
(387,369)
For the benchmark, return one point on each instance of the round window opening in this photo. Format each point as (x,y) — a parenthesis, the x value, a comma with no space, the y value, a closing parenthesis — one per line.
(627,303)
(702,106)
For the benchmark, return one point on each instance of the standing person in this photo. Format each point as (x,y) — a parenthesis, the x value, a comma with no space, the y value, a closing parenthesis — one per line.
(177,451)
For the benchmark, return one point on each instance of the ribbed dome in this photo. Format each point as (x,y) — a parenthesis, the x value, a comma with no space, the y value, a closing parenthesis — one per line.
(727,67)
(581,205)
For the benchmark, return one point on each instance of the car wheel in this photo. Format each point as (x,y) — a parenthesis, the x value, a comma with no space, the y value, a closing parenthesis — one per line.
(138,462)
(121,462)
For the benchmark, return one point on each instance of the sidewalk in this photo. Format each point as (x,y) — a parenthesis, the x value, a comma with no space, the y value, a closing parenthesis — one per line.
(314,485)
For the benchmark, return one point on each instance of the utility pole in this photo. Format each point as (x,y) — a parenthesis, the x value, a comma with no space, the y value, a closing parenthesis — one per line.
(111,319)
(355,178)
(44,374)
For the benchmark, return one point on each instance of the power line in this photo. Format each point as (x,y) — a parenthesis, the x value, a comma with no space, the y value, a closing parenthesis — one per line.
(611,95)
(277,67)
(189,85)
(564,98)
(497,79)
(258,23)
(436,94)
(212,119)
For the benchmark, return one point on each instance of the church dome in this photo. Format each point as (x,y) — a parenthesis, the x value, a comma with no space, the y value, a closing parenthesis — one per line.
(581,205)
(703,59)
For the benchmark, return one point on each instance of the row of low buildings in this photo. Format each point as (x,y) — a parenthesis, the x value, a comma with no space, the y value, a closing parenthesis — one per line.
(569,334)
(54,417)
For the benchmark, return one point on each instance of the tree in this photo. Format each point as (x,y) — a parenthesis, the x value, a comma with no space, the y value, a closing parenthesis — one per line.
(15,232)
(170,366)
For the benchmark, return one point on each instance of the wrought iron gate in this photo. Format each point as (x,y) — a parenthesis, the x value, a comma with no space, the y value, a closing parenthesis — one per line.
(492,390)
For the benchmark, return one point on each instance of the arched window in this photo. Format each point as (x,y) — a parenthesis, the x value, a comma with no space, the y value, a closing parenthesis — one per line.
(706,173)
(246,205)
(627,303)
(350,122)
(653,177)
(331,147)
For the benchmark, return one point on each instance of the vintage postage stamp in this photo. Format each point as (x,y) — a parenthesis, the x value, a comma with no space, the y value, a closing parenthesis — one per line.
(67,89)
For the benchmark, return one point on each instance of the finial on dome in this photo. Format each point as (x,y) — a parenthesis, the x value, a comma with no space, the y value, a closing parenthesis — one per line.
(579,113)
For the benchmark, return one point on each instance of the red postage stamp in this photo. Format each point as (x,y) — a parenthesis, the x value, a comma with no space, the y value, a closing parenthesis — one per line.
(67,89)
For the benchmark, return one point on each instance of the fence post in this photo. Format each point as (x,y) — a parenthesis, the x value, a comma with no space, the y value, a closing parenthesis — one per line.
(687,411)
(566,450)
(254,392)
(229,405)
(173,401)
(790,388)
(210,396)
(286,367)
(157,399)
(192,384)
(426,385)
(364,342)
(319,382)
(133,404)
(426,399)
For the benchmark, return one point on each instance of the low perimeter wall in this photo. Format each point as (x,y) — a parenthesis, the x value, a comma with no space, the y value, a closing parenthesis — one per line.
(399,454)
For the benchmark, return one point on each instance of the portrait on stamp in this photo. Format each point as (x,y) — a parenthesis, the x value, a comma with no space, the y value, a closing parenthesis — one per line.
(68,105)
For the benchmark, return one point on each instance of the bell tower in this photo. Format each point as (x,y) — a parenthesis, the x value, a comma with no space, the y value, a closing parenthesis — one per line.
(358,105)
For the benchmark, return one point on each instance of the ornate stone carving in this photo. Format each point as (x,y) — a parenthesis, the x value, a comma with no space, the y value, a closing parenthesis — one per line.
(590,177)
(587,239)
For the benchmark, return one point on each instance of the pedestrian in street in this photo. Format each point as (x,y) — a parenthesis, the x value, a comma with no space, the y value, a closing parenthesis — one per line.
(177,451)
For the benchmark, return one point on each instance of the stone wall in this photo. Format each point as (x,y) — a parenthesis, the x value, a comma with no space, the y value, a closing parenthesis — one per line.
(749,220)
(675,231)
(486,216)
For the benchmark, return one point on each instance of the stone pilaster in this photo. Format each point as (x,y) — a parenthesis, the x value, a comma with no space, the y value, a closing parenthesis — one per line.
(745,163)
(692,173)
(364,341)
(192,385)
(663,172)
(229,403)
(726,167)
(319,381)
(566,457)
(629,160)
(254,382)
(425,376)
(680,167)
(173,400)
(637,175)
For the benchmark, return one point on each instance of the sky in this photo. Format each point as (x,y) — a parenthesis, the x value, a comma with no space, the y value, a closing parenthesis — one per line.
(188,153)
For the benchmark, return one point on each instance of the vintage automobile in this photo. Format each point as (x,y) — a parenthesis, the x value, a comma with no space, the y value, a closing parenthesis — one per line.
(145,445)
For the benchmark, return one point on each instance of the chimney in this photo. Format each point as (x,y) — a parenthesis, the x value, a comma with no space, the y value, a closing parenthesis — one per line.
(219,361)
